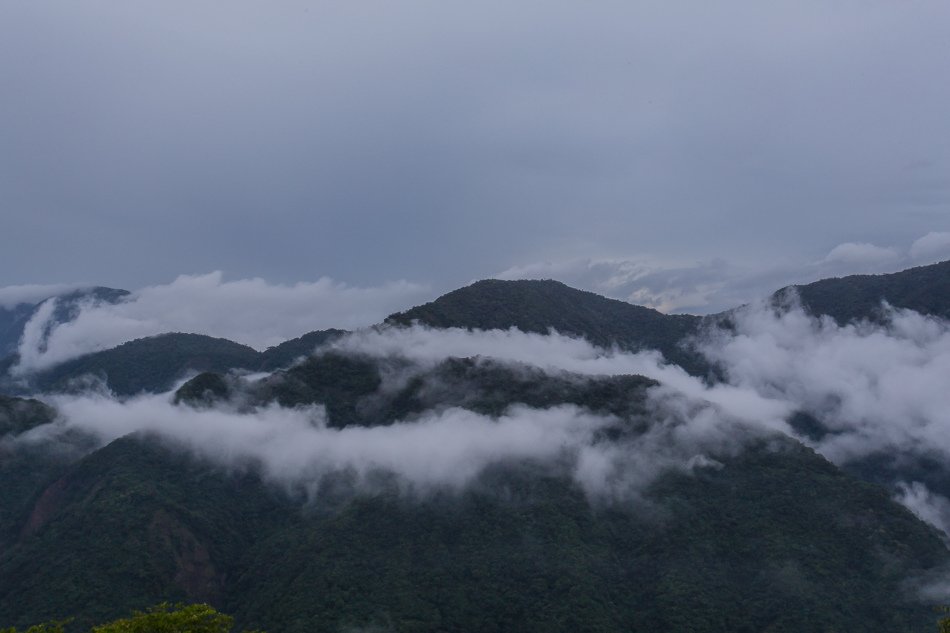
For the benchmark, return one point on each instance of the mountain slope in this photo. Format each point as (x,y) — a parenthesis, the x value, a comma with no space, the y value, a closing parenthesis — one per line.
(288,352)
(26,469)
(925,289)
(12,321)
(538,306)
(151,364)
(774,539)
(352,390)
(735,549)
(14,318)
(129,525)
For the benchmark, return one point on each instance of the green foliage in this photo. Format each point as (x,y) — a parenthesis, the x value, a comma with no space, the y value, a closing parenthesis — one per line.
(46,627)
(777,539)
(163,618)
(138,523)
(29,469)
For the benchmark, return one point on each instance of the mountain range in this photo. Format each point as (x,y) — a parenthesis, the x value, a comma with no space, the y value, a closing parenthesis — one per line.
(750,531)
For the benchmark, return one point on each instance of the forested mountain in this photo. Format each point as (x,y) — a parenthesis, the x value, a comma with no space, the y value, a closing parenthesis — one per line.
(150,364)
(288,352)
(153,364)
(773,537)
(752,531)
(925,289)
(538,306)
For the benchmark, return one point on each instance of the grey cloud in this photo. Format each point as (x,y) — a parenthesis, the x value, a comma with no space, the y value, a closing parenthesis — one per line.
(250,311)
(556,352)
(707,287)
(850,253)
(442,142)
(444,450)
(691,423)
(933,246)
(13,296)
(876,387)
(929,507)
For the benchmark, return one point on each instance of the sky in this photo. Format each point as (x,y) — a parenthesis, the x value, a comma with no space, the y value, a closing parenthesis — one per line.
(685,155)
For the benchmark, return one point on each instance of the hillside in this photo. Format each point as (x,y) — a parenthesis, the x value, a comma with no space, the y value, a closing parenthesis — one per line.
(759,533)
(538,306)
(776,539)
(12,322)
(151,364)
(925,289)
(14,318)
(351,389)
(288,352)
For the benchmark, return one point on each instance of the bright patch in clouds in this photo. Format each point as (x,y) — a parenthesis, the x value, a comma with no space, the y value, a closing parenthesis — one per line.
(932,247)
(249,311)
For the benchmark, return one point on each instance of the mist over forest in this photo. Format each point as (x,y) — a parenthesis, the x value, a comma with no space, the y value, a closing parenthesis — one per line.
(646,469)
(474,318)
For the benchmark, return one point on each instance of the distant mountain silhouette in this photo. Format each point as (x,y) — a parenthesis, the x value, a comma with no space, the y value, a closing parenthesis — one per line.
(14,319)
(925,289)
(539,306)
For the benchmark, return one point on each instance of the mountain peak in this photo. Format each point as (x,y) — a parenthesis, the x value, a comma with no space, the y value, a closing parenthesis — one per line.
(541,305)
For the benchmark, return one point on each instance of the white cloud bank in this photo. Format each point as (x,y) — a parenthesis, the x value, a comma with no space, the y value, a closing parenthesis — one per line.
(932,247)
(558,352)
(713,286)
(877,387)
(861,255)
(440,450)
(249,311)
(690,422)
(12,296)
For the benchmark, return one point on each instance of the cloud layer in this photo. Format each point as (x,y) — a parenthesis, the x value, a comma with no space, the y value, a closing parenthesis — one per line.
(707,287)
(691,424)
(376,141)
(439,450)
(249,311)
(12,296)
(877,388)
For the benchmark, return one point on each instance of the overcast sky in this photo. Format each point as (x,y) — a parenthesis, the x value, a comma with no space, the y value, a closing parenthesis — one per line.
(685,146)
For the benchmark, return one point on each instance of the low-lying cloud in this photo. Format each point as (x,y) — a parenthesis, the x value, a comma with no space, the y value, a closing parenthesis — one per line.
(876,387)
(249,311)
(690,424)
(439,450)
(558,352)
(707,287)
(12,296)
